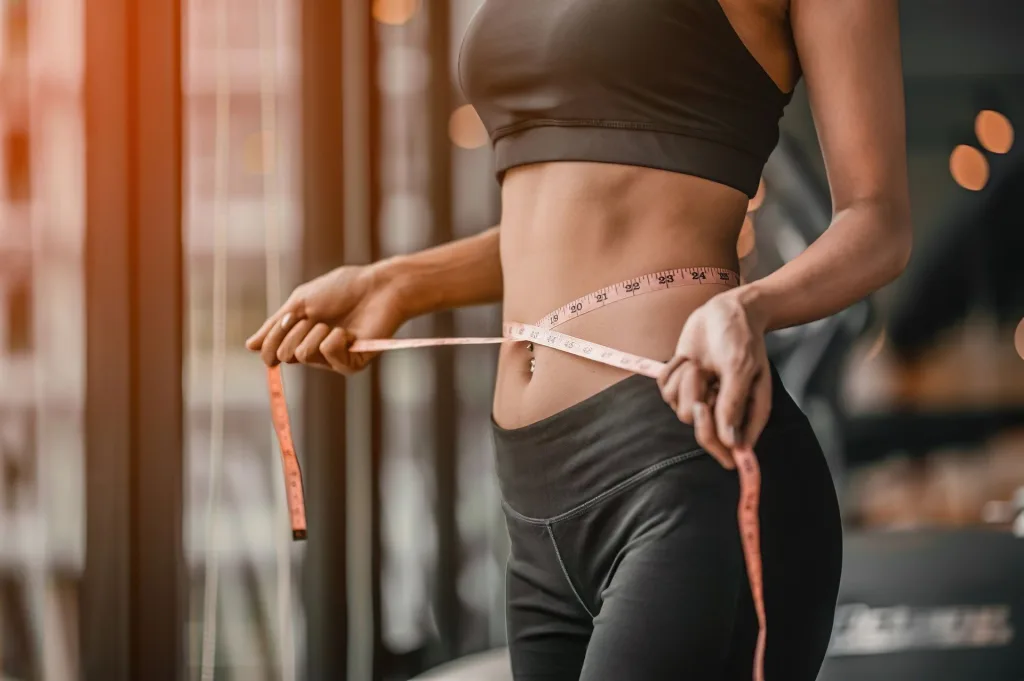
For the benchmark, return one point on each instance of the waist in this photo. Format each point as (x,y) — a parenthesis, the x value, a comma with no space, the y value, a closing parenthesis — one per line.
(570,228)
(641,316)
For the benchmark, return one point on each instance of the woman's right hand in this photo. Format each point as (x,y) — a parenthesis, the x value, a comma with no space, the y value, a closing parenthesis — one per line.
(323,317)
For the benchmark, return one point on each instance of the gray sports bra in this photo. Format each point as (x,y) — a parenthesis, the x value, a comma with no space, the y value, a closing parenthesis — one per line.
(659,83)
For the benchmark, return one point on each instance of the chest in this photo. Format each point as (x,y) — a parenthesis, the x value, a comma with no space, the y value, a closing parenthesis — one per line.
(565,35)
(516,40)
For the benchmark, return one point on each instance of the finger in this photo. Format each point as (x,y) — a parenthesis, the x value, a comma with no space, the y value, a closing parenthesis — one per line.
(255,341)
(707,437)
(294,308)
(273,340)
(758,409)
(286,350)
(670,368)
(670,387)
(308,351)
(733,395)
(335,350)
(694,387)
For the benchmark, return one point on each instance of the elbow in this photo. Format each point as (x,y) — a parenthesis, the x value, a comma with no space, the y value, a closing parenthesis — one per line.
(889,223)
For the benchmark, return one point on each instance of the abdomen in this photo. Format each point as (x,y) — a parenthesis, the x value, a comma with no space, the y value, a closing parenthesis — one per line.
(568,229)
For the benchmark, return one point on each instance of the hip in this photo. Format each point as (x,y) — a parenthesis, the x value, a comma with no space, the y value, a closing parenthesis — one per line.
(625,434)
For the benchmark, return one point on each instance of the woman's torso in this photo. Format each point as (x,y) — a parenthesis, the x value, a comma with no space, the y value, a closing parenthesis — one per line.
(569,228)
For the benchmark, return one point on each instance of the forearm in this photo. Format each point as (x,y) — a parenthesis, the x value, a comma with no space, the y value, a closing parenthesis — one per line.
(865,248)
(457,274)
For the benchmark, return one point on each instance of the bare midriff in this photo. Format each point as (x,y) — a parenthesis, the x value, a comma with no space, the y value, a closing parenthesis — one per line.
(570,228)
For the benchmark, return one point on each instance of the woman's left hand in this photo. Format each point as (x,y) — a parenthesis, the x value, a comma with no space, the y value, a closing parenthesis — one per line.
(719,380)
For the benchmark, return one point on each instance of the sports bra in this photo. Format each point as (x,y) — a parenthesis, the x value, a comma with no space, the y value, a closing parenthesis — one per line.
(664,84)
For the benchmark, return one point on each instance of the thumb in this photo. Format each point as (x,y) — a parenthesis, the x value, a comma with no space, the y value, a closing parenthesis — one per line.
(335,348)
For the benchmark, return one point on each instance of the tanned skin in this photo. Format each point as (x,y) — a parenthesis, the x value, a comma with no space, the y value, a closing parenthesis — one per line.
(570,228)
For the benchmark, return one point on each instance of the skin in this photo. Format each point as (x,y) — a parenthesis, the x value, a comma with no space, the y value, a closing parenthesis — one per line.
(570,228)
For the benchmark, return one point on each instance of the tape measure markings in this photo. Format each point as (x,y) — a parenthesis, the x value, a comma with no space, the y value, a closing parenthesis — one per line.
(543,333)
(648,283)
(289,460)
(574,346)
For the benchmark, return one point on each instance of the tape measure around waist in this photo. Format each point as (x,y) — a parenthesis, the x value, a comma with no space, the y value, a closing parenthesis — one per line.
(543,333)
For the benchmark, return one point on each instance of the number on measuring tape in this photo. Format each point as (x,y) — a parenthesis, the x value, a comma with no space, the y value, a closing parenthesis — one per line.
(600,297)
(665,279)
(632,286)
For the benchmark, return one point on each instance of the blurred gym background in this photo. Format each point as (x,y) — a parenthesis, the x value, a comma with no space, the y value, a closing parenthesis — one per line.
(171,168)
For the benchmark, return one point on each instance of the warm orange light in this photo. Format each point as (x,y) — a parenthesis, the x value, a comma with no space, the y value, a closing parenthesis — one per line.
(746,241)
(758,199)
(994,131)
(968,167)
(465,128)
(394,12)
(258,153)
(1018,339)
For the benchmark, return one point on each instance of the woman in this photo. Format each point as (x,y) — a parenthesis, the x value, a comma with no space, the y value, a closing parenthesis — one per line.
(629,137)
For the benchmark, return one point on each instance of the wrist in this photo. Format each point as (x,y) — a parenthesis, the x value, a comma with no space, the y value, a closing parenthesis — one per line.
(399,280)
(757,305)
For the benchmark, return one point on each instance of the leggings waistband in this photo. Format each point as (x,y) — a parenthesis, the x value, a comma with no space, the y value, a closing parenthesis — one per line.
(553,466)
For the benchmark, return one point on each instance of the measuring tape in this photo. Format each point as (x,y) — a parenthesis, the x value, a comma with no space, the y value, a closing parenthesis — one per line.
(543,333)
(289,460)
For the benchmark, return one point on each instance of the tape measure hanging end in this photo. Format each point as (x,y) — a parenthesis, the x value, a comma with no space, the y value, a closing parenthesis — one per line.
(289,460)
(749,473)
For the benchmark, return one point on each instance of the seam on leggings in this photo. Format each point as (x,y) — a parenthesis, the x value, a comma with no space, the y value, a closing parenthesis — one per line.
(611,491)
(561,563)
(508,559)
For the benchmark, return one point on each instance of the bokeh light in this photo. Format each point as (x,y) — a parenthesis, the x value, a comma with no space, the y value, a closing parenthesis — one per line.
(968,167)
(1018,339)
(465,128)
(758,199)
(745,242)
(394,12)
(994,131)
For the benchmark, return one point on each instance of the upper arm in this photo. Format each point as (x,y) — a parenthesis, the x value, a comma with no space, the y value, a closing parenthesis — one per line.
(849,51)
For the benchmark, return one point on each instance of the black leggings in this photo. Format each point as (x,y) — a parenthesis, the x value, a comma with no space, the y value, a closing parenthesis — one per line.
(626,562)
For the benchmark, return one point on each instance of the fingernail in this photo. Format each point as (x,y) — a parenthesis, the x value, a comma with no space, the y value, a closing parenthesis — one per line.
(698,412)
(285,320)
(734,435)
